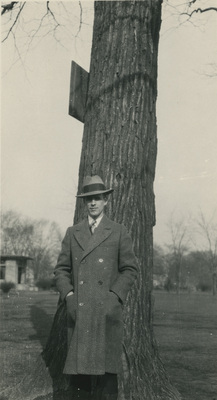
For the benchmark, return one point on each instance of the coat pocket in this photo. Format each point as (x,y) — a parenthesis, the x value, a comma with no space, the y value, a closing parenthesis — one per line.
(71,310)
(113,307)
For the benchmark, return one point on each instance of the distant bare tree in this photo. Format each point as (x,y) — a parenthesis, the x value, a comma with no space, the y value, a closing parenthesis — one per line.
(180,239)
(39,239)
(16,234)
(160,264)
(208,230)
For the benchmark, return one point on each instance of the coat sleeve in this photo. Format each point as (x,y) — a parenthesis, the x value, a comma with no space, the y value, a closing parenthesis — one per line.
(63,270)
(127,266)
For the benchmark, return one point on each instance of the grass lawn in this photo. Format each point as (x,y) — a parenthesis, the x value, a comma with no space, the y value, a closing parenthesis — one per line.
(185,328)
(25,324)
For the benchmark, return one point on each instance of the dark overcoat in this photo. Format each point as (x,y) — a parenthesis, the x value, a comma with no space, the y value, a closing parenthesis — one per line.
(100,269)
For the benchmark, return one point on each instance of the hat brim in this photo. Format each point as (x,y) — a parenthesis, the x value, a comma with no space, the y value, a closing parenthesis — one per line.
(95,192)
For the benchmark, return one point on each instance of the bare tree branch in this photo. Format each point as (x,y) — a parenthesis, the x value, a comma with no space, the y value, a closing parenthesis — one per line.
(14,22)
(199,10)
(34,34)
(8,7)
(79,29)
(51,12)
(27,28)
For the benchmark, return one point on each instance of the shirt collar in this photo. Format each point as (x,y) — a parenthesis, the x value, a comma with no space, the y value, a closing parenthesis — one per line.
(98,220)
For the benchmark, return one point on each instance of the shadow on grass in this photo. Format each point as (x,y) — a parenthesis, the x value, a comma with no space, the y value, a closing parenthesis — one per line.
(42,323)
(52,334)
(32,318)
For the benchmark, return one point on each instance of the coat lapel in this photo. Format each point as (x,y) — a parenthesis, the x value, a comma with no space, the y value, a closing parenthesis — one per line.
(89,242)
(82,234)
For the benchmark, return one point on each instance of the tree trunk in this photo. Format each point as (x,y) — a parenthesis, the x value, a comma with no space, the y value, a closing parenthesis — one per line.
(178,273)
(214,283)
(120,145)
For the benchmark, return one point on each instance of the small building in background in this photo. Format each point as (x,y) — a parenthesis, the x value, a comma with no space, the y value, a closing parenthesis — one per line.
(17,269)
(159,281)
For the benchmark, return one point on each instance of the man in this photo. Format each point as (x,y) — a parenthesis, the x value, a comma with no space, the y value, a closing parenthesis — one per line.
(95,271)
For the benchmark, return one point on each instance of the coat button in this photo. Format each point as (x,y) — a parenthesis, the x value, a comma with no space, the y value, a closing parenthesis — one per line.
(81,304)
(81,282)
(101,260)
(83,261)
(100,282)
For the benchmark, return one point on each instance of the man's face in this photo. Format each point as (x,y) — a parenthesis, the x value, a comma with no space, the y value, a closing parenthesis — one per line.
(95,205)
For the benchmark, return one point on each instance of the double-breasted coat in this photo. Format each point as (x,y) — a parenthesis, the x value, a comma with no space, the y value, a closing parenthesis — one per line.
(100,269)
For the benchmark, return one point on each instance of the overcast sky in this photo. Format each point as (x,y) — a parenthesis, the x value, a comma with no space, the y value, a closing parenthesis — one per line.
(41,143)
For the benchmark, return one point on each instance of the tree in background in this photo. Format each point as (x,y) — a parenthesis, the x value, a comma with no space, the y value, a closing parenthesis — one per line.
(187,267)
(47,241)
(197,271)
(207,228)
(160,266)
(180,238)
(16,234)
(26,237)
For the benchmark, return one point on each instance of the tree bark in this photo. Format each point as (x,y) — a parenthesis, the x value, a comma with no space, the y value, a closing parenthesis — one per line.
(120,145)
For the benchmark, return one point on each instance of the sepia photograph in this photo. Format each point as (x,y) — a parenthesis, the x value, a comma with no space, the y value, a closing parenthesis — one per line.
(108,257)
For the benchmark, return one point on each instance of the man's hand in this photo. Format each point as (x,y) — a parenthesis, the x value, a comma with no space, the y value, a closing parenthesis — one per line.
(69,294)
(119,299)
(71,308)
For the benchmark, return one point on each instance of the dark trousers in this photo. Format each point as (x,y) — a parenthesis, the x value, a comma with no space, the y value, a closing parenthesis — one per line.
(96,387)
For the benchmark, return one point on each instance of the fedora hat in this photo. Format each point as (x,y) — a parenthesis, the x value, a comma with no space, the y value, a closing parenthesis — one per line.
(93,185)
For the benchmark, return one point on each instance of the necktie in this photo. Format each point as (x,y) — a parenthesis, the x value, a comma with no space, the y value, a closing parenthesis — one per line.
(92,227)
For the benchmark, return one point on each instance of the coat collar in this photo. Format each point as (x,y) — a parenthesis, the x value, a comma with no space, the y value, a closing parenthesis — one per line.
(89,242)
